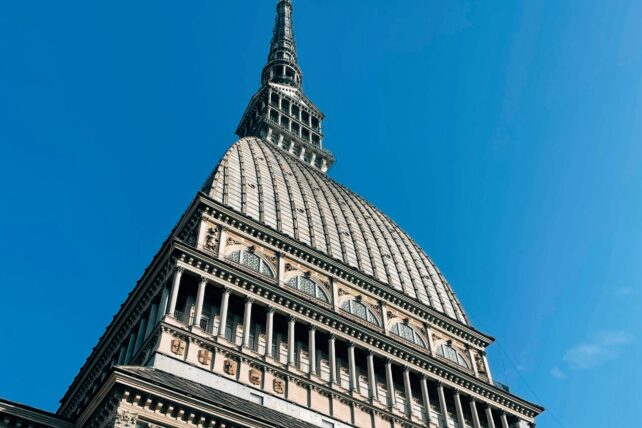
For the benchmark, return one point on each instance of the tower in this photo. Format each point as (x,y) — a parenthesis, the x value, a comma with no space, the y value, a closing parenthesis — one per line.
(280,112)
(283,299)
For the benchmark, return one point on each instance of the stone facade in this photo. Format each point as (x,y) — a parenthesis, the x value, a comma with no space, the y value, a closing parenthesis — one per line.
(283,299)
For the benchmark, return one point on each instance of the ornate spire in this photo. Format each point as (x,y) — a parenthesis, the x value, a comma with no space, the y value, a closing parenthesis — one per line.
(279,112)
(282,66)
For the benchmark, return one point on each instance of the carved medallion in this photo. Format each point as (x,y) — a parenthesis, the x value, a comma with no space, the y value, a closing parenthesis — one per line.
(204,356)
(230,366)
(178,346)
(279,386)
(255,377)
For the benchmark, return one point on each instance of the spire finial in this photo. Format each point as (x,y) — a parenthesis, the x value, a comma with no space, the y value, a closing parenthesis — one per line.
(280,113)
(282,65)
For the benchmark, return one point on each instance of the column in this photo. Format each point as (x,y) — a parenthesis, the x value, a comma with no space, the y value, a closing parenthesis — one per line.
(442,403)
(269,332)
(426,399)
(333,359)
(291,344)
(489,417)
(460,411)
(471,355)
(429,334)
(140,335)
(335,293)
(153,312)
(130,347)
(504,420)
(280,268)
(390,384)
(174,294)
(225,300)
(473,410)
(408,388)
(121,355)
(384,316)
(354,386)
(221,241)
(487,367)
(372,379)
(312,351)
(162,306)
(247,319)
(200,296)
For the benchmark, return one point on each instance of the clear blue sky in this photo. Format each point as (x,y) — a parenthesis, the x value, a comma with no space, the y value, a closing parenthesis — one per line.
(505,137)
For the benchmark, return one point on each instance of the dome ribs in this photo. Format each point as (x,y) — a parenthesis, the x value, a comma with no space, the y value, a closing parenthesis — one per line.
(233,180)
(280,186)
(350,256)
(331,230)
(322,216)
(421,263)
(262,181)
(350,221)
(214,186)
(292,164)
(259,184)
(273,190)
(404,275)
(301,231)
(372,251)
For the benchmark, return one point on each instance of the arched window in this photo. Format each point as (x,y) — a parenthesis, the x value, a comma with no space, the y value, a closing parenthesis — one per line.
(250,260)
(308,287)
(450,353)
(406,332)
(360,310)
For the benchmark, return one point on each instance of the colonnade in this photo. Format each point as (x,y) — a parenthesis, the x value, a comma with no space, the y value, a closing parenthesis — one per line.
(435,403)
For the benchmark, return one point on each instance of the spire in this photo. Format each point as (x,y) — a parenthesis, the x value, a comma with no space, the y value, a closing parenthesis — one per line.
(279,112)
(282,66)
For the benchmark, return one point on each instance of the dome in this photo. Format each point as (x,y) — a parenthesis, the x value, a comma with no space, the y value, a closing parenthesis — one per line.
(269,185)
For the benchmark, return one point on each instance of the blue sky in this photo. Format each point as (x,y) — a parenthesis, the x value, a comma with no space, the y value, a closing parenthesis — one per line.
(505,137)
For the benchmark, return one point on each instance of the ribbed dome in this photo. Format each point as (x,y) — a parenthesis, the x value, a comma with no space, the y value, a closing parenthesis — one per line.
(263,182)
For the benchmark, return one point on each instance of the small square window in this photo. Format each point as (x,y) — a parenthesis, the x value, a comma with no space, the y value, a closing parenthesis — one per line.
(328,424)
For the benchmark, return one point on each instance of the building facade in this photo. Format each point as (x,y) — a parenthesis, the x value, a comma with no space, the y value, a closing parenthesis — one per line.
(283,299)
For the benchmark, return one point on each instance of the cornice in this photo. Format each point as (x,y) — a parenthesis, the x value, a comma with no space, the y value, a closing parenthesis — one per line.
(270,293)
(334,267)
(125,318)
(31,414)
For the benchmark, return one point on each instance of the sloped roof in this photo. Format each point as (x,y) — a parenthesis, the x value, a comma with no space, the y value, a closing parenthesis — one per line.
(262,181)
(216,397)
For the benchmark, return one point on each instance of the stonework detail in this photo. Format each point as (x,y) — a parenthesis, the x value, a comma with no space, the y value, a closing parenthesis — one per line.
(211,238)
(365,304)
(255,377)
(204,357)
(278,385)
(125,419)
(178,346)
(230,367)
